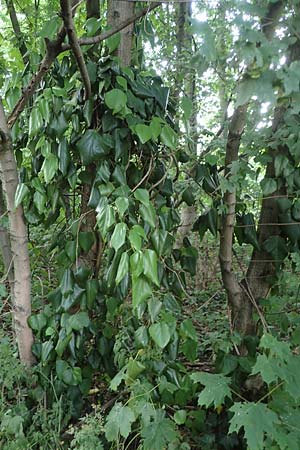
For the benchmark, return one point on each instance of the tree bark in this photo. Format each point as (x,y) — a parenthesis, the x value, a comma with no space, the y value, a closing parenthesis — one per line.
(117,12)
(5,244)
(92,9)
(19,247)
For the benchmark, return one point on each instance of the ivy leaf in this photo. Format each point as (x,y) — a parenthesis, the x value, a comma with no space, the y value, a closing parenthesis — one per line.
(79,321)
(49,167)
(150,266)
(119,422)
(148,214)
(37,321)
(257,420)
(122,204)
(159,433)
(216,388)
(105,218)
(86,240)
(160,334)
(21,192)
(118,236)
(115,100)
(168,137)
(144,132)
(268,185)
(90,147)
(142,195)
(141,290)
(123,268)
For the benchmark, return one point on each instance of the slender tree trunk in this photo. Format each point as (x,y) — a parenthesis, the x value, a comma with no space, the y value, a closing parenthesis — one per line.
(239,301)
(186,82)
(119,10)
(5,244)
(19,247)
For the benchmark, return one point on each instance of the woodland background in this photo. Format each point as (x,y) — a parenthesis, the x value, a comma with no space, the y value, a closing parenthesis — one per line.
(149,224)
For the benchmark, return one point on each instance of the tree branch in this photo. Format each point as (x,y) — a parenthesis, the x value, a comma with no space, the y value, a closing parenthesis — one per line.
(75,47)
(101,37)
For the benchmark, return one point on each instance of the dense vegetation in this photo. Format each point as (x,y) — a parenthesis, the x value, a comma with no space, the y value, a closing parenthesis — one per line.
(150,225)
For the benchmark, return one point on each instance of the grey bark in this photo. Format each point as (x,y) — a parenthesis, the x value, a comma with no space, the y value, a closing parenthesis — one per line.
(5,243)
(19,245)
(119,11)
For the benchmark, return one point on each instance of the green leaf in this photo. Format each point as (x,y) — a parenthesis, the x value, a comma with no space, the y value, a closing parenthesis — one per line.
(86,240)
(105,219)
(38,321)
(123,268)
(155,126)
(142,195)
(119,422)
(122,82)
(47,347)
(187,329)
(21,192)
(69,375)
(122,204)
(91,293)
(49,167)
(265,366)
(35,122)
(115,100)
(135,239)
(150,266)
(159,433)
(154,307)
(160,334)
(180,417)
(134,369)
(63,156)
(136,264)
(148,214)
(118,236)
(90,147)
(141,290)
(216,388)
(144,132)
(113,42)
(257,420)
(79,321)
(67,283)
(268,185)
(168,137)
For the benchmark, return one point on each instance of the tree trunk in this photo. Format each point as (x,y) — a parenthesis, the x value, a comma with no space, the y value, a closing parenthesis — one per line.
(186,84)
(19,247)
(92,9)
(239,298)
(5,244)
(119,10)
